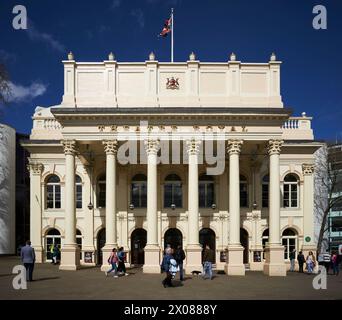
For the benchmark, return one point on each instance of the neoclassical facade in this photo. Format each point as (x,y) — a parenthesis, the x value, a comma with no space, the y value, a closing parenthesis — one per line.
(149,154)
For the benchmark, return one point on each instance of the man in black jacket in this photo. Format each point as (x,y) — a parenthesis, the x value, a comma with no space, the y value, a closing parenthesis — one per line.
(301,260)
(179,257)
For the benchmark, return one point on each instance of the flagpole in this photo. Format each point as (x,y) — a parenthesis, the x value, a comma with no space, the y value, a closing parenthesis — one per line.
(172,35)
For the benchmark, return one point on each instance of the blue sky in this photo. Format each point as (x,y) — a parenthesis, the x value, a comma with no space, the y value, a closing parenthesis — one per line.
(312,59)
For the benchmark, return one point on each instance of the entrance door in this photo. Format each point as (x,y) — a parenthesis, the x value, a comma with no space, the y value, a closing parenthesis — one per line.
(138,243)
(52,237)
(173,237)
(207,237)
(244,243)
(101,241)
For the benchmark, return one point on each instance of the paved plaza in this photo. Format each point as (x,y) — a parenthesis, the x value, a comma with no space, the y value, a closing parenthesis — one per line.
(91,283)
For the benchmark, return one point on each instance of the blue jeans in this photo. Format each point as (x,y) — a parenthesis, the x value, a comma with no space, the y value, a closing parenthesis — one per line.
(336,269)
(114,268)
(208,269)
(181,271)
(310,267)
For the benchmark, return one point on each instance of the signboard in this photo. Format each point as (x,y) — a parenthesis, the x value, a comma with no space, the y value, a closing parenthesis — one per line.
(88,257)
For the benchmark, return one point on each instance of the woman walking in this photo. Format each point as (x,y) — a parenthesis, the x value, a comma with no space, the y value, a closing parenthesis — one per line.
(113,260)
(310,262)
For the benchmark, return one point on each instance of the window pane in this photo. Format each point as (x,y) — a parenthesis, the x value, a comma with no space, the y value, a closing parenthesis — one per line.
(210,195)
(293,203)
(177,195)
(286,187)
(57,204)
(243,195)
(167,195)
(135,195)
(286,203)
(201,195)
(102,195)
(143,195)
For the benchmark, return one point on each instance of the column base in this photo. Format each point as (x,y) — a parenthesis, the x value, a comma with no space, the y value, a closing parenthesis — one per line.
(39,251)
(106,251)
(275,265)
(235,266)
(193,258)
(70,257)
(152,259)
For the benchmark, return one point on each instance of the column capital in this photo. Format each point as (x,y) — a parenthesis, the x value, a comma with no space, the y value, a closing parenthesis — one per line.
(234,146)
(35,168)
(274,146)
(308,169)
(193,146)
(110,146)
(152,146)
(69,147)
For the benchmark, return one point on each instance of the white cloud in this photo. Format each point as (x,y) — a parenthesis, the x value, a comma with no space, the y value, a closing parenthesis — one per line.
(139,15)
(36,35)
(21,93)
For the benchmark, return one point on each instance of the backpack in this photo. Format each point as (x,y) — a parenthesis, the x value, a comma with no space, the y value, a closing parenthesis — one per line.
(173,267)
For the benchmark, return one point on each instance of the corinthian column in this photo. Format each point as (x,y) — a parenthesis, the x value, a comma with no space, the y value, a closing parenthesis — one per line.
(193,260)
(70,258)
(308,208)
(234,264)
(36,208)
(274,264)
(110,148)
(152,249)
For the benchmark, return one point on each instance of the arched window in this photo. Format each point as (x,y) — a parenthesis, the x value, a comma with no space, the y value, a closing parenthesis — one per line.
(264,238)
(265,190)
(139,191)
(52,238)
(53,192)
(206,191)
(243,191)
(291,194)
(173,191)
(289,241)
(101,194)
(78,192)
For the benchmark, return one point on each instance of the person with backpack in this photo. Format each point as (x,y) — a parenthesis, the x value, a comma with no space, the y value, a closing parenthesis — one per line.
(179,257)
(113,260)
(121,263)
(208,260)
(165,267)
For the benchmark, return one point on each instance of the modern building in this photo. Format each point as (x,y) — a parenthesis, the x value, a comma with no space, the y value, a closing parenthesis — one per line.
(7,189)
(146,154)
(335,215)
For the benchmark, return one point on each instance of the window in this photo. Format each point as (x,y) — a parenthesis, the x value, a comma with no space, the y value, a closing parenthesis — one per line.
(53,192)
(336,224)
(139,191)
(265,190)
(243,191)
(337,206)
(290,191)
(289,241)
(101,184)
(78,192)
(265,236)
(52,238)
(206,191)
(172,191)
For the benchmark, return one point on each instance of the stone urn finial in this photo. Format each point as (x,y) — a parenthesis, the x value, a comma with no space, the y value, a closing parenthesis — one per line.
(192,56)
(111,57)
(273,57)
(303,114)
(70,56)
(152,56)
(232,56)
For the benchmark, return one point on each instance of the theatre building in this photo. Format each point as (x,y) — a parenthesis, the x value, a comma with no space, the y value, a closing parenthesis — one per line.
(148,154)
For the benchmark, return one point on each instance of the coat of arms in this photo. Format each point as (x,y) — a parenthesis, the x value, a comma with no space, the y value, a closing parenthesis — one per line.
(172,83)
